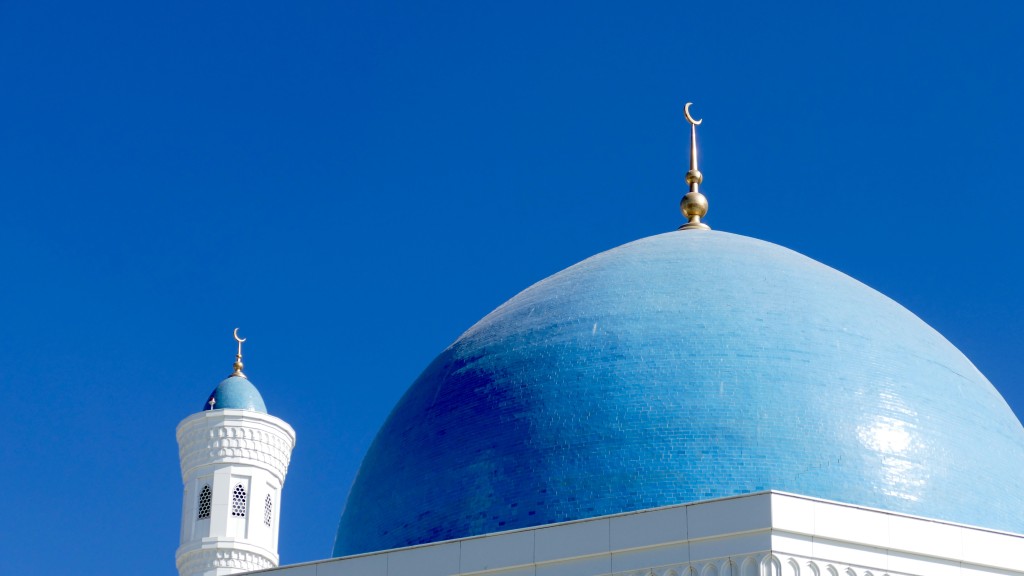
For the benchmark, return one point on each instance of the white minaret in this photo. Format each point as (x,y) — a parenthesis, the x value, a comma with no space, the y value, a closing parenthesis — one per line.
(234,457)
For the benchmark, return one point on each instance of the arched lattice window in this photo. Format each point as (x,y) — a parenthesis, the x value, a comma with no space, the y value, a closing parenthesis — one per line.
(238,501)
(205,499)
(267,509)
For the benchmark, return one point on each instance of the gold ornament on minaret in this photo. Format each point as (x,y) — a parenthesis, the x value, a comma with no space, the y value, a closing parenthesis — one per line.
(694,205)
(238,357)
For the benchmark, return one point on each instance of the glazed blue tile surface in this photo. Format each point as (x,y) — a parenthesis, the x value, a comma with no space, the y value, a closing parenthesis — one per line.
(238,393)
(682,367)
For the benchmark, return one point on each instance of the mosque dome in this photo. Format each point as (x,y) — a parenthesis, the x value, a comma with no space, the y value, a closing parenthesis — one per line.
(235,392)
(683,367)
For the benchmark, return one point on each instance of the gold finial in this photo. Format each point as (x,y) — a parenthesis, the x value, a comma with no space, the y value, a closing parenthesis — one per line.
(694,205)
(238,357)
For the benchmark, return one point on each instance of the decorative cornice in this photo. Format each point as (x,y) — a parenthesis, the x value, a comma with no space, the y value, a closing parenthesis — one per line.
(251,439)
(762,564)
(201,560)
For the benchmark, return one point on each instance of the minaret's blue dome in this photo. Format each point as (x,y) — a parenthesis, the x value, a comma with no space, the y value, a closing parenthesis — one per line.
(238,393)
(682,367)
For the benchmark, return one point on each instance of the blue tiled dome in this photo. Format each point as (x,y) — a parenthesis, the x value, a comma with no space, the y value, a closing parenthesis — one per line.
(681,367)
(238,393)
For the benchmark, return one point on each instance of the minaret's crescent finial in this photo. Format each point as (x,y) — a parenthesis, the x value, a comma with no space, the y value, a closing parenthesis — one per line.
(686,112)
(694,205)
(238,357)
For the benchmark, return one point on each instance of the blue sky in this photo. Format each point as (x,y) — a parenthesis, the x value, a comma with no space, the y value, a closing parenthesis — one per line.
(355,183)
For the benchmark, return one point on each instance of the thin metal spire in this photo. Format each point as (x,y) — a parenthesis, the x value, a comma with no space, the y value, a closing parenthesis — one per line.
(694,205)
(238,357)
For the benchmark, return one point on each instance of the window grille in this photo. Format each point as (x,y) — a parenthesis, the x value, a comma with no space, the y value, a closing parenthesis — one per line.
(205,499)
(238,501)
(267,507)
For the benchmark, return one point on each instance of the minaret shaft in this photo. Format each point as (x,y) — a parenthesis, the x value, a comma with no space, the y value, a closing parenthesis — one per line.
(234,459)
(233,467)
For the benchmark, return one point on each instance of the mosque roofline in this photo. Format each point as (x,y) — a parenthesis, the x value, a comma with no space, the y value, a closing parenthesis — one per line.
(696,503)
(760,526)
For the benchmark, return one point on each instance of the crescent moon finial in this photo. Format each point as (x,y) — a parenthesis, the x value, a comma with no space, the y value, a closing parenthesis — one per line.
(694,205)
(238,357)
(686,112)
